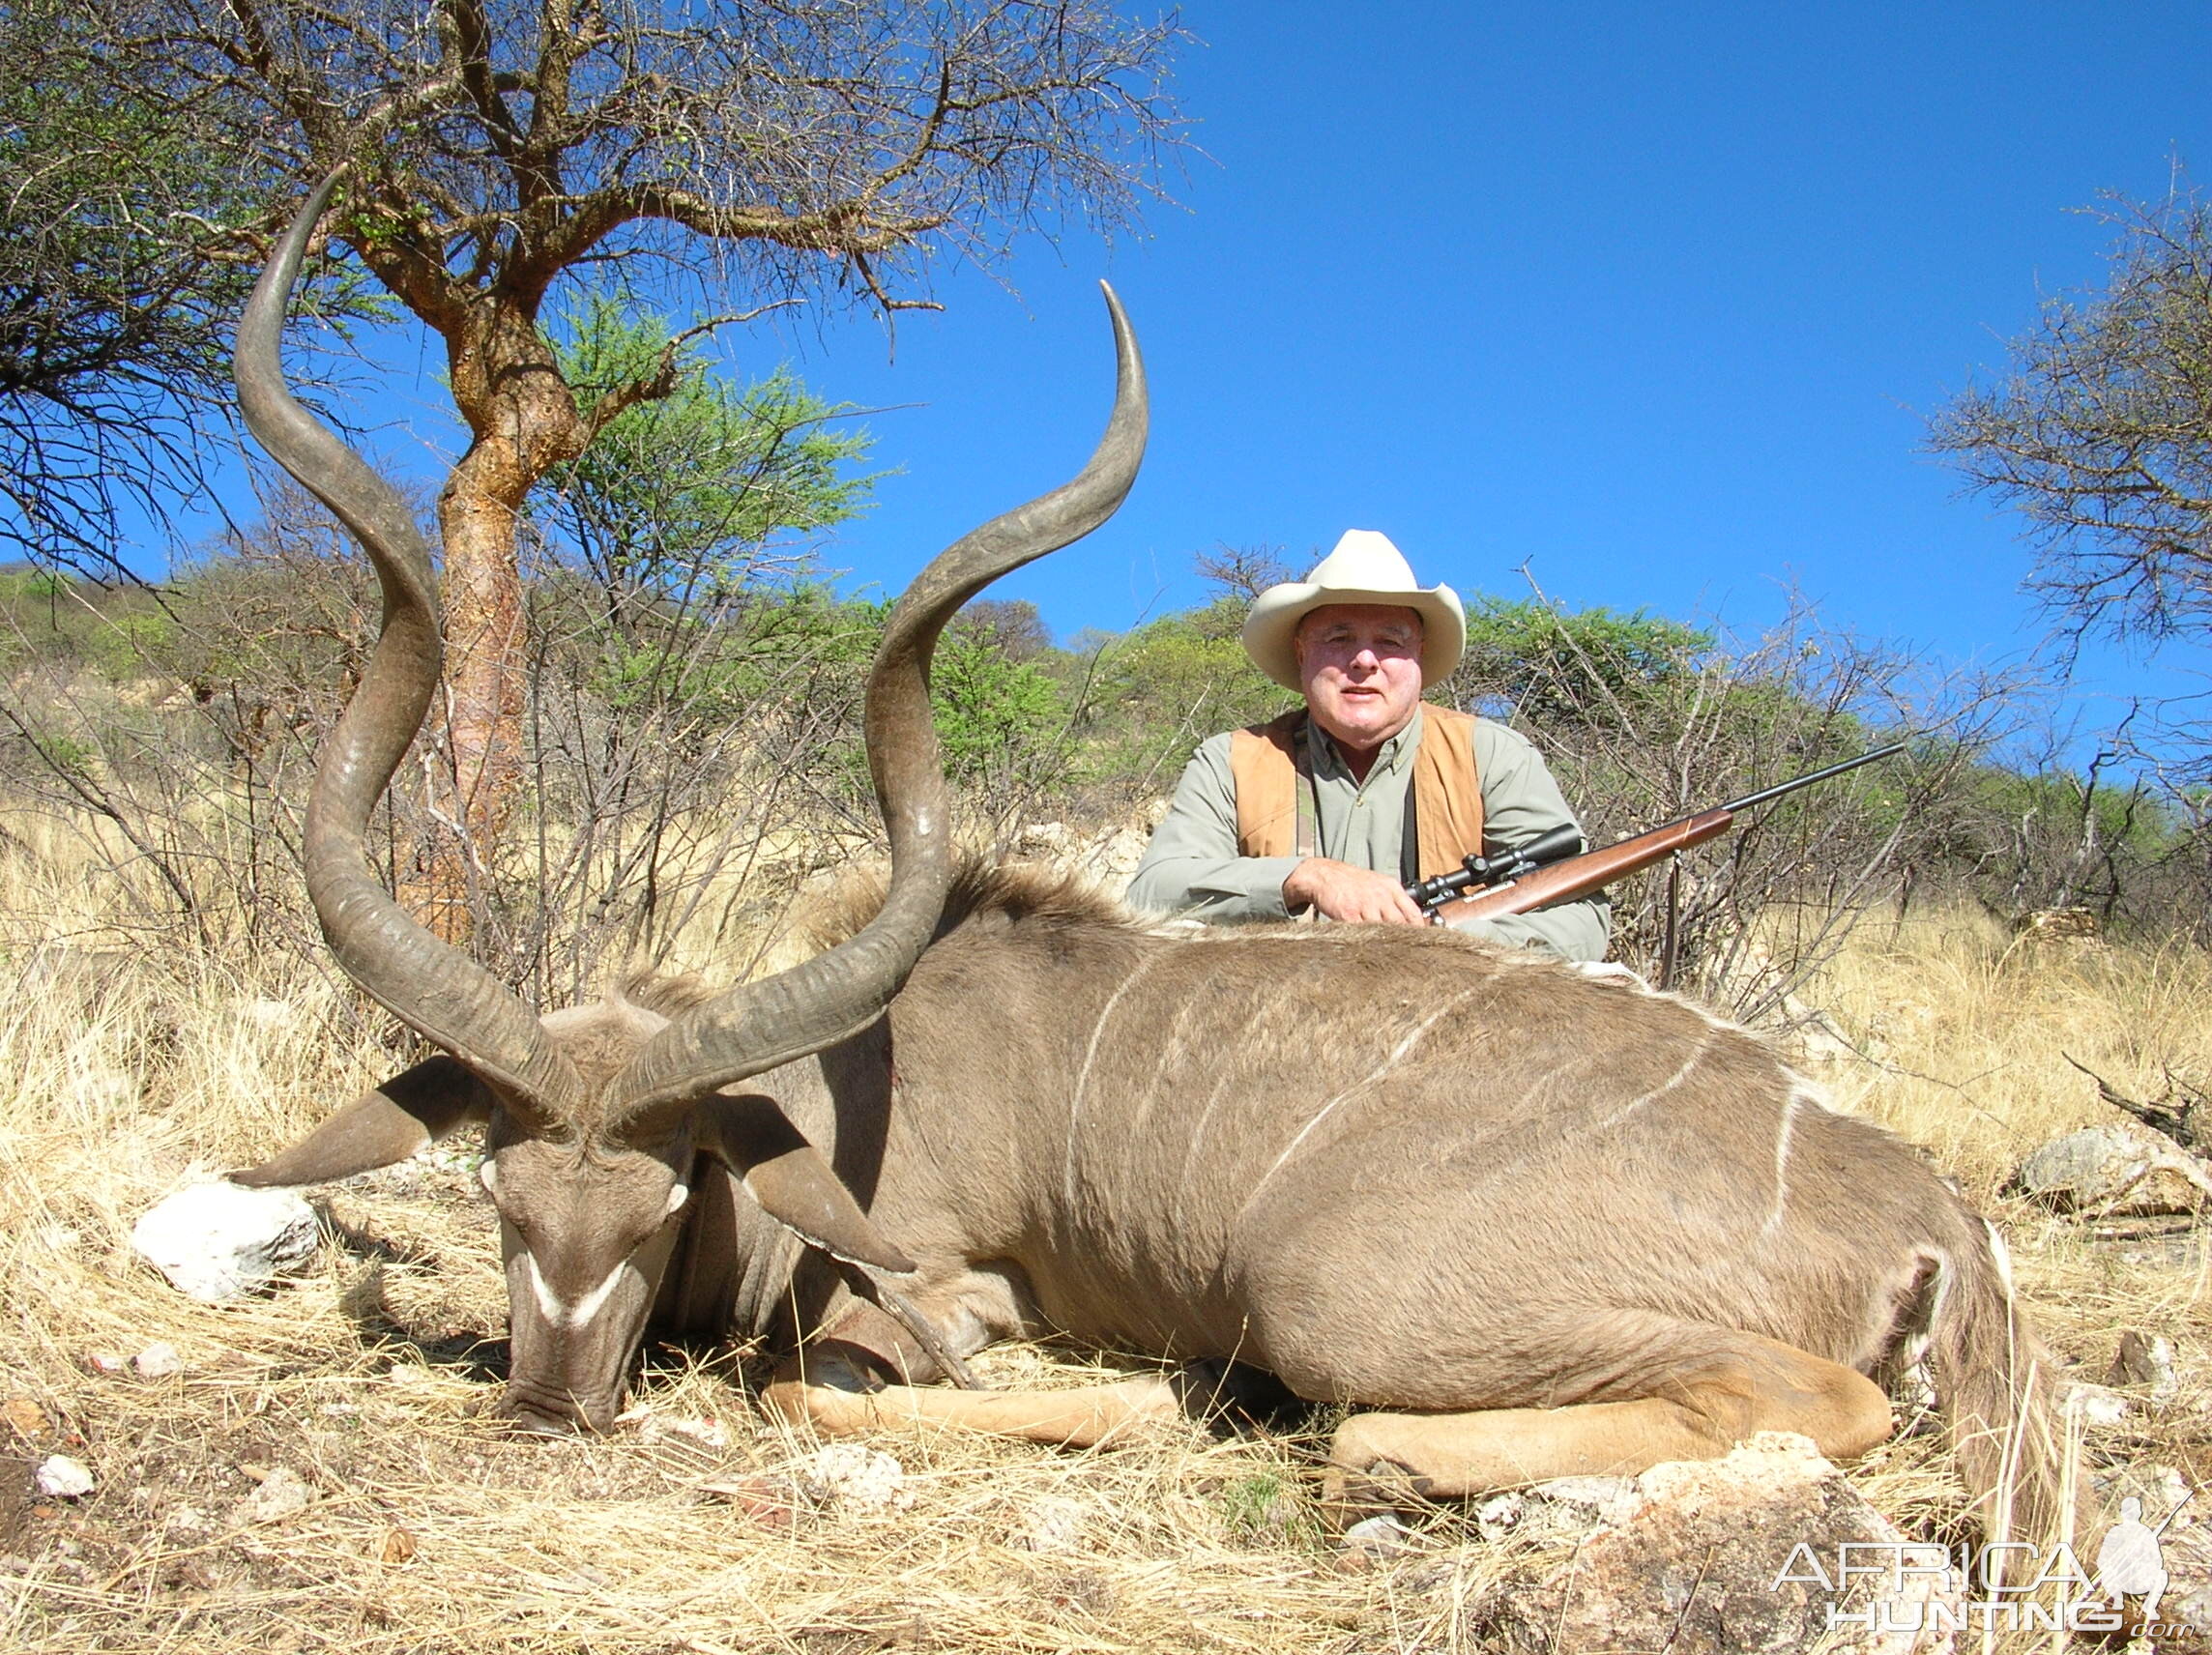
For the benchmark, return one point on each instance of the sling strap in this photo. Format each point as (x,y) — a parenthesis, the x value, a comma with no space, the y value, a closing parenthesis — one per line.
(1276,809)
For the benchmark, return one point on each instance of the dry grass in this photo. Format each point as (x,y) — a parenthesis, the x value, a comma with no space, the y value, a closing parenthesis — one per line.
(136,1067)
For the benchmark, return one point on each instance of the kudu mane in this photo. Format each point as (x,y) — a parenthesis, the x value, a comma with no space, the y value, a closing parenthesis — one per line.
(985,895)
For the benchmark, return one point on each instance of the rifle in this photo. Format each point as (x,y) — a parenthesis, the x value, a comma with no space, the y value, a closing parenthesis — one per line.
(1555,868)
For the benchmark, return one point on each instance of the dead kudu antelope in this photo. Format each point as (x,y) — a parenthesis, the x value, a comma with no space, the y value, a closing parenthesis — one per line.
(1536,1224)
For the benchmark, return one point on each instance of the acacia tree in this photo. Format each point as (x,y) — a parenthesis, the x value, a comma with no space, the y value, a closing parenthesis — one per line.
(114,313)
(818,147)
(2100,432)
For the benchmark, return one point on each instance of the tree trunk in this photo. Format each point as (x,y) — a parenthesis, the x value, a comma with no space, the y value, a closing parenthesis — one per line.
(523,420)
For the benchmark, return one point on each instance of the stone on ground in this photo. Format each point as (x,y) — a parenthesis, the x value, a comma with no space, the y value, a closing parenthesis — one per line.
(2118,1170)
(1698,1562)
(217,1240)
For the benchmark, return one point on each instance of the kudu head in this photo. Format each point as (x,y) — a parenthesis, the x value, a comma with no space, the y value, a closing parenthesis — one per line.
(594,1116)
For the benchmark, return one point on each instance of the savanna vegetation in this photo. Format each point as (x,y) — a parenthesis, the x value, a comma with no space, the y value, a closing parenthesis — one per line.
(694,773)
(672,712)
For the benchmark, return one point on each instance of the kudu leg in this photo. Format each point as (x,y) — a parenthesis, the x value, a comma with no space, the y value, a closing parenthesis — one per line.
(837,1397)
(1724,1388)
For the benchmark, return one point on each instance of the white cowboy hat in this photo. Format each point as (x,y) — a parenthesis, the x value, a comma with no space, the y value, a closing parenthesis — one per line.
(1365,567)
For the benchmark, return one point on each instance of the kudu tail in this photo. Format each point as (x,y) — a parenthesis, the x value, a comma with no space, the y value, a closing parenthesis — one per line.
(1998,1384)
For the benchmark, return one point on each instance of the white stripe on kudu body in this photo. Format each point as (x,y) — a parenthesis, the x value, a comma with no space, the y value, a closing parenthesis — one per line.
(1396,1056)
(1695,1057)
(1083,1075)
(1782,1163)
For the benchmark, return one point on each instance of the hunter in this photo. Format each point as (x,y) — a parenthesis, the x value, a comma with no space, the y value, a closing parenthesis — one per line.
(1336,806)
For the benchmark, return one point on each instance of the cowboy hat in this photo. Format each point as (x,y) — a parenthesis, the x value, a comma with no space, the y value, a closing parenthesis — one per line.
(1365,567)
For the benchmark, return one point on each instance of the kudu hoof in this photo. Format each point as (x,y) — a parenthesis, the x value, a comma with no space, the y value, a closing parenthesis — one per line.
(524,1418)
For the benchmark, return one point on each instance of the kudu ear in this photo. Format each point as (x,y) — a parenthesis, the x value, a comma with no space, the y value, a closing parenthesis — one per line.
(788,1177)
(380,1127)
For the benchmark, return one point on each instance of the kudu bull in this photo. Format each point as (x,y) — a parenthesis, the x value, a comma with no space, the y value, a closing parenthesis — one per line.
(1536,1224)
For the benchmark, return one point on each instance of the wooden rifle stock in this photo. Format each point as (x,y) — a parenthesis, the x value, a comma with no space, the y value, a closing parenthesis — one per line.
(1546,881)
(1591,871)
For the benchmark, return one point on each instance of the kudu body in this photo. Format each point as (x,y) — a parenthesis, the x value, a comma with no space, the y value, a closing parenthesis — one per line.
(1544,1224)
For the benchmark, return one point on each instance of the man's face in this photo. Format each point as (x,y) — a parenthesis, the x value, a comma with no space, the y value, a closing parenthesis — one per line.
(1359,665)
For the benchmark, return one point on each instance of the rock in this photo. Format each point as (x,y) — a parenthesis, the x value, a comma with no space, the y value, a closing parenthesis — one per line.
(857,1478)
(1044,840)
(283,1493)
(709,1434)
(1382,1536)
(2118,1170)
(1723,1557)
(1107,857)
(60,1477)
(1565,1508)
(1112,857)
(157,1361)
(1497,1517)
(2147,1363)
(217,1240)
(1052,1523)
(187,1523)
(25,1417)
(2093,1405)
(1579,1502)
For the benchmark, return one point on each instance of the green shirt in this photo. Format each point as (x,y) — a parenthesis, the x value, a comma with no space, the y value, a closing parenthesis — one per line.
(1192,868)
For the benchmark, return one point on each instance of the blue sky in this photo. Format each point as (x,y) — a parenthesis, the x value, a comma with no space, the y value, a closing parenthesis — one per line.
(1654,299)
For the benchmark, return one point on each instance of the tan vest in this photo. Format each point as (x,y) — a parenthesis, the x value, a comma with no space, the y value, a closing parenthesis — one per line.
(1447,796)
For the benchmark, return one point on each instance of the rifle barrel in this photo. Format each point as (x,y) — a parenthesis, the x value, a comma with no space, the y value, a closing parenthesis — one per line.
(1791,786)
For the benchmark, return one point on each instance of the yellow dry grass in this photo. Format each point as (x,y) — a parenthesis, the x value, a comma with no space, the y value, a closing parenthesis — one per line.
(137,1066)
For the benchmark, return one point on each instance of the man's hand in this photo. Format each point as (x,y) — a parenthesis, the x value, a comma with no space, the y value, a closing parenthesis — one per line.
(1338,890)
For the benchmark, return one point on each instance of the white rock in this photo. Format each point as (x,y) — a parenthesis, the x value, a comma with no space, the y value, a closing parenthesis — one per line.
(1568,1502)
(271,1015)
(2095,1404)
(1498,1515)
(217,1240)
(186,1522)
(857,1477)
(1053,1522)
(60,1477)
(1378,1536)
(283,1493)
(2119,1169)
(707,1433)
(157,1361)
